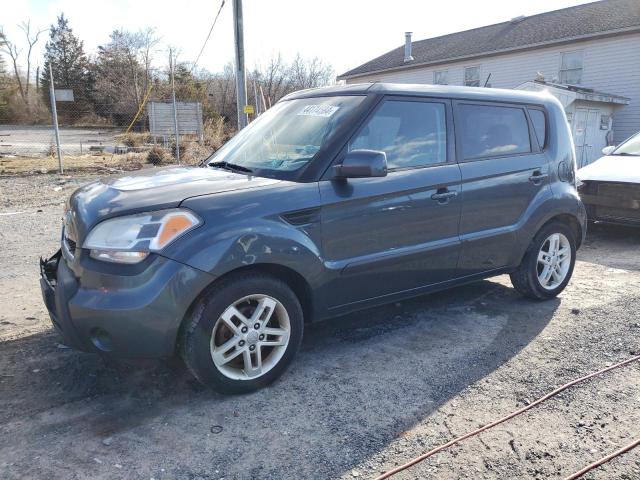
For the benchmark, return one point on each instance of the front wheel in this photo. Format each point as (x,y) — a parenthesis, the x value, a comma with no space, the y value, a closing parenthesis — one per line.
(243,333)
(548,264)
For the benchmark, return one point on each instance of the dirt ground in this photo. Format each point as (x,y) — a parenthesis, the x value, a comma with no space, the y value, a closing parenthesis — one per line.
(367,392)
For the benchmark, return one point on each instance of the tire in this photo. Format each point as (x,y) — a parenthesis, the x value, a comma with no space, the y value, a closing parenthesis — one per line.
(526,279)
(240,299)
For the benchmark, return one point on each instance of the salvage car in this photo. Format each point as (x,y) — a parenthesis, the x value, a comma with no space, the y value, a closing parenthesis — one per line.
(334,200)
(610,186)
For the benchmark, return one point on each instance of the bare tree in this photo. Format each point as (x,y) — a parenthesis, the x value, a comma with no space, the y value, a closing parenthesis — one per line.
(31,41)
(148,41)
(309,73)
(12,50)
(273,79)
(123,71)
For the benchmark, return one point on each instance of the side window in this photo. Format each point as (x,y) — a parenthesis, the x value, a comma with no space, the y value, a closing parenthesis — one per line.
(539,125)
(412,134)
(490,131)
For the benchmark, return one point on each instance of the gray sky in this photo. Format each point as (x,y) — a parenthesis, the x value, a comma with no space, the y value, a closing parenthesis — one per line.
(344,33)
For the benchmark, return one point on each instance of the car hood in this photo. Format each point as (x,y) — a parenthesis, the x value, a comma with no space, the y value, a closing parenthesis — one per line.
(152,189)
(612,168)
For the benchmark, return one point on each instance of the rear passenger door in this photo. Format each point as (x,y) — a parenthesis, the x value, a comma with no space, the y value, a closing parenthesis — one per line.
(503,168)
(400,232)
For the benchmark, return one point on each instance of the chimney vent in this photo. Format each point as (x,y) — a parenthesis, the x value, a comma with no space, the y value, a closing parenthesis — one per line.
(407,47)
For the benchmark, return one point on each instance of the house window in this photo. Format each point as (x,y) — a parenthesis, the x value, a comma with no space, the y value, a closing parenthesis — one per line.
(571,68)
(472,76)
(441,77)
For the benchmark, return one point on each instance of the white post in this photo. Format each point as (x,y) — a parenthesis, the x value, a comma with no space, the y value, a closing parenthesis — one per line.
(175,109)
(54,114)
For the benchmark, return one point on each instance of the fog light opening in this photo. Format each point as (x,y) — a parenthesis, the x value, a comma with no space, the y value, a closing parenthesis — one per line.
(101,339)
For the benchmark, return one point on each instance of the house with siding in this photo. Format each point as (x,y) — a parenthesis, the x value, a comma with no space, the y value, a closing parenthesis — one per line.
(588,56)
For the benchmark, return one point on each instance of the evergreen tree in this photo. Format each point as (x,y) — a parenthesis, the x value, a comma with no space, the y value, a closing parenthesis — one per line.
(65,53)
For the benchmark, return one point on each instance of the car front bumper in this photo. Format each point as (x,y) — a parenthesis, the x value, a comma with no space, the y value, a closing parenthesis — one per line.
(130,316)
(612,202)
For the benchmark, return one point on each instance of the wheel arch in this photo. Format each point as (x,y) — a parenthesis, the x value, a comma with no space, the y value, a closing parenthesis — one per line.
(293,279)
(567,218)
(570,220)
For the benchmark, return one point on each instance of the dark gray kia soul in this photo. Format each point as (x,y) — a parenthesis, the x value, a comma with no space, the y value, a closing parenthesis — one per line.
(334,200)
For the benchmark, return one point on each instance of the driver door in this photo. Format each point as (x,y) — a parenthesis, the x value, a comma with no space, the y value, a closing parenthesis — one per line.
(397,233)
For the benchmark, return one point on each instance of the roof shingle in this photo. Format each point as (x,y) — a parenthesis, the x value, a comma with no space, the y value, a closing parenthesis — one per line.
(591,19)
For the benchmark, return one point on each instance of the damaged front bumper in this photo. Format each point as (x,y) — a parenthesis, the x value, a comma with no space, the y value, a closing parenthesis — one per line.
(125,314)
(57,288)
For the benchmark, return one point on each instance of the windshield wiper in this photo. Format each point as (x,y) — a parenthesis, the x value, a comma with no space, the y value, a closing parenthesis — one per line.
(232,167)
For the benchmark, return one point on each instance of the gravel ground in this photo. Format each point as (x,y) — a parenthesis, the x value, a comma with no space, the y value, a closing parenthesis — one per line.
(367,392)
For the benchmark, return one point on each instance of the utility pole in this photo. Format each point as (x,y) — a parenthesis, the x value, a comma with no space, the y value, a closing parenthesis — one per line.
(241,80)
(54,114)
(175,109)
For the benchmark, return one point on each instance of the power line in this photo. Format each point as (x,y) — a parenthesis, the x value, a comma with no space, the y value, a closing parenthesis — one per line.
(208,35)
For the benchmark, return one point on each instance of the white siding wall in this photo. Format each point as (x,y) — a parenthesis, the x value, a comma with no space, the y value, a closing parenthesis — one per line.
(611,65)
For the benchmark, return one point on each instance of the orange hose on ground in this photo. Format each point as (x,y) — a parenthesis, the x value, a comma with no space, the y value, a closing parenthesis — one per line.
(588,468)
(432,452)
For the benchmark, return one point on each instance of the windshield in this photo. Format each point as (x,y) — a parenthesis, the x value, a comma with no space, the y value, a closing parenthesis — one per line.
(630,147)
(286,137)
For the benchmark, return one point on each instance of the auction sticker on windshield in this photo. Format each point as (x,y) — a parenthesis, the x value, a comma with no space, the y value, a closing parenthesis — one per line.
(318,110)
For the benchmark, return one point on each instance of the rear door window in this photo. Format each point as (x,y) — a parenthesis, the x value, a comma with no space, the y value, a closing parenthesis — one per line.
(490,131)
(412,134)
(539,125)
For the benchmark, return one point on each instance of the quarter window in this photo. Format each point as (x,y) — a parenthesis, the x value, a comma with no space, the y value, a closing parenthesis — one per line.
(490,131)
(412,134)
(539,125)
(472,76)
(441,77)
(571,68)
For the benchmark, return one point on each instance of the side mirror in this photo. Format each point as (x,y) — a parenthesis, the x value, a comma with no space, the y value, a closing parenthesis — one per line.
(362,164)
(608,150)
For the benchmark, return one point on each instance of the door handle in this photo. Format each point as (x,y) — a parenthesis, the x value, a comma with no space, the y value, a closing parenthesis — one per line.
(443,195)
(537,177)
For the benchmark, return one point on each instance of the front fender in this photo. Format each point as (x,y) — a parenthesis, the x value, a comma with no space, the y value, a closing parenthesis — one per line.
(251,228)
(261,242)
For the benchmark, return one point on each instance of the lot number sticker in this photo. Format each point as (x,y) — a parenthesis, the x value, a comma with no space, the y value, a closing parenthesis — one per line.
(318,110)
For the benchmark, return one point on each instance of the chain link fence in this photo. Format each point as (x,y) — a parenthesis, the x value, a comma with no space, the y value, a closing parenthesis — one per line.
(109,135)
(122,107)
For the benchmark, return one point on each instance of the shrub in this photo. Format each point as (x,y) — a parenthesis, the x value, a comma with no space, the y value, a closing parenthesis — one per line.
(133,139)
(156,156)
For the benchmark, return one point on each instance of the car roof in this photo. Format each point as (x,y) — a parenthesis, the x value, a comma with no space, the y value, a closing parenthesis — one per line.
(440,91)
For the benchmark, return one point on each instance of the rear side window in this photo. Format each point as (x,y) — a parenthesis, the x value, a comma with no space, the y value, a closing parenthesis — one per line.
(539,125)
(490,131)
(412,134)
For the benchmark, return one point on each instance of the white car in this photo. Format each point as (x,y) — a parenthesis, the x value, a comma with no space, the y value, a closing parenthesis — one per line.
(610,186)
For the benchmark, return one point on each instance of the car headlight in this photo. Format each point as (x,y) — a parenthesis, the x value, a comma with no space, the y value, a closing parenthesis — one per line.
(130,239)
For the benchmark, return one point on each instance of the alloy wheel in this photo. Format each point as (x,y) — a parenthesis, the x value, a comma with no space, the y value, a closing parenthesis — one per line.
(554,261)
(250,337)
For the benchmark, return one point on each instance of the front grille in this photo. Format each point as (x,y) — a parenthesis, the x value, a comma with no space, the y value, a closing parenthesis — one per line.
(627,194)
(624,191)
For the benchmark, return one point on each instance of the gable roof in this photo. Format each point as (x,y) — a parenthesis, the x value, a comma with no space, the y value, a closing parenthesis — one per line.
(606,17)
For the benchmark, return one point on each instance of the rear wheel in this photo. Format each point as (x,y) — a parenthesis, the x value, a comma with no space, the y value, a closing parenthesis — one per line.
(548,263)
(243,333)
